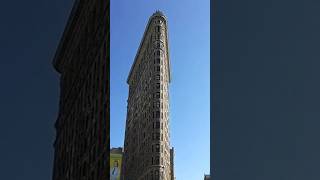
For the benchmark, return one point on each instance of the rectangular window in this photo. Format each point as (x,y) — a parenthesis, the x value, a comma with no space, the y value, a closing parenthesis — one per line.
(157,148)
(157,160)
(158,68)
(157,114)
(158,125)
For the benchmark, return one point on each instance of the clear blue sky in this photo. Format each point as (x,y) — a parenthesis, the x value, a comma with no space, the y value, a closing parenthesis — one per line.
(189,43)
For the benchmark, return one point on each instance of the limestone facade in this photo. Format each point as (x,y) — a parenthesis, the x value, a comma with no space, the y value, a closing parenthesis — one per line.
(147,137)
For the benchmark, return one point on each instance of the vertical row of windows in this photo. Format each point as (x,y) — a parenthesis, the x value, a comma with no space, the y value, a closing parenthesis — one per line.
(156,125)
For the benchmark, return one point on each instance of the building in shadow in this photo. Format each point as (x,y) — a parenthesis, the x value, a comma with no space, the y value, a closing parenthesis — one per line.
(81,147)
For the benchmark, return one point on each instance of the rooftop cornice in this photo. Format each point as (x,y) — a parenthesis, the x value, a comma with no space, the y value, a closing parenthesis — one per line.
(158,13)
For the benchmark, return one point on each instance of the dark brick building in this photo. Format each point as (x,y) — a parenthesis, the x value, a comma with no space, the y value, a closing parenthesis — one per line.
(82,127)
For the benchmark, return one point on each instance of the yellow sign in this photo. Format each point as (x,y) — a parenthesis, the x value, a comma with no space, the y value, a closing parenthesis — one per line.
(115,166)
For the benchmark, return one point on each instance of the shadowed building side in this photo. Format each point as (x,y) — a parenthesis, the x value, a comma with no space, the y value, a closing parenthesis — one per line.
(81,147)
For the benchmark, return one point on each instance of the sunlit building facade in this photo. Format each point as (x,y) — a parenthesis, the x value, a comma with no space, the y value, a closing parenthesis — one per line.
(147,151)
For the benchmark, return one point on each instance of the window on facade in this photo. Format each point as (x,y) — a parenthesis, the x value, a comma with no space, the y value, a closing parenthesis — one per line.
(158,60)
(157,125)
(157,161)
(158,52)
(158,77)
(158,95)
(157,136)
(157,114)
(158,28)
(157,148)
(158,68)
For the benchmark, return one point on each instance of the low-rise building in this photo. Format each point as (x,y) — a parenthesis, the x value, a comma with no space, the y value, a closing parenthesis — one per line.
(207,177)
(115,163)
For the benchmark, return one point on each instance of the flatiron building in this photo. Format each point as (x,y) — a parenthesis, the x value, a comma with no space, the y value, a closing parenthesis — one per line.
(147,151)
